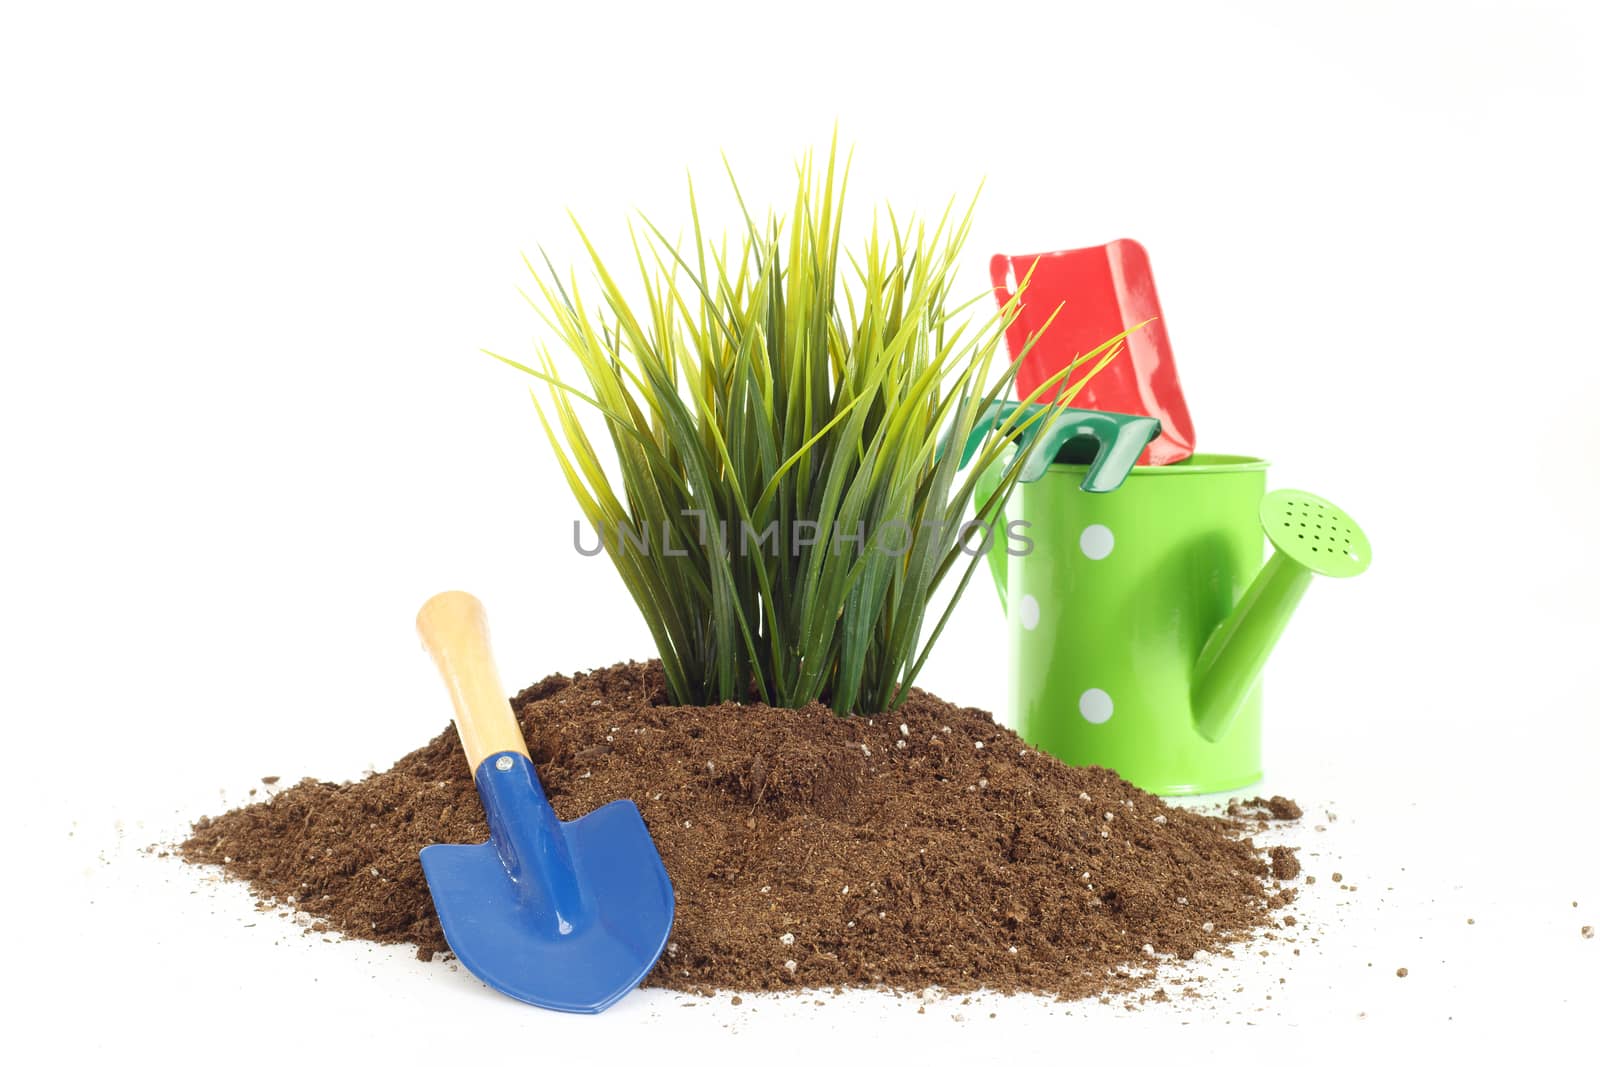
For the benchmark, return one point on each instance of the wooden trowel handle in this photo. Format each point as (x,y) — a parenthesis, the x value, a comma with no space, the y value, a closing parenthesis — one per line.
(456,633)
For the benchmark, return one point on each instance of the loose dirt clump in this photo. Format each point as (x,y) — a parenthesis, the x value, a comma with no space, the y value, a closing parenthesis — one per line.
(1285,864)
(1274,808)
(927,847)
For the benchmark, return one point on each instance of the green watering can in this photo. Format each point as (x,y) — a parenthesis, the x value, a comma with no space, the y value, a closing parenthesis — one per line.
(1140,619)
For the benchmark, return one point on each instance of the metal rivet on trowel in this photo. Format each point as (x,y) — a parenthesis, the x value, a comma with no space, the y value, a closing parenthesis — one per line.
(503,763)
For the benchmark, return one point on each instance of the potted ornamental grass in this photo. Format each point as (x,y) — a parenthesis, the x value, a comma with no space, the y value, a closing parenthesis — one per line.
(781,506)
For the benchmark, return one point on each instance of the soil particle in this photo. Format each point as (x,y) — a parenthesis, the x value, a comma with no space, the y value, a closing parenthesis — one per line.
(1587,931)
(762,815)
(1402,972)
(1285,865)
(1281,809)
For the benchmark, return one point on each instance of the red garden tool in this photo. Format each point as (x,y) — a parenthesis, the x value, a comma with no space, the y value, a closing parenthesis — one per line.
(1101,292)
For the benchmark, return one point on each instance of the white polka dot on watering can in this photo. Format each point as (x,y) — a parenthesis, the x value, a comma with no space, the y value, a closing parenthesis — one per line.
(1097,541)
(1028,612)
(1095,705)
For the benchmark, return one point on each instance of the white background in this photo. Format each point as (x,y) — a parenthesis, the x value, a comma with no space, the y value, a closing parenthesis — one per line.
(249,257)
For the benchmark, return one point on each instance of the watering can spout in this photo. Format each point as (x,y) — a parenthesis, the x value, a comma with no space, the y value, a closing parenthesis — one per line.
(1310,536)
(1234,656)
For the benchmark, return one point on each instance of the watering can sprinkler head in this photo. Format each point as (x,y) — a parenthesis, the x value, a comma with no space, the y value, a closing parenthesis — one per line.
(1315,534)
(1309,536)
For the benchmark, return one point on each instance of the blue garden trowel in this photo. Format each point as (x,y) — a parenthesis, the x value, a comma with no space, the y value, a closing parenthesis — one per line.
(565,915)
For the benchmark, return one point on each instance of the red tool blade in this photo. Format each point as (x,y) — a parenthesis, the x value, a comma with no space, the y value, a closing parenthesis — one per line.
(1101,291)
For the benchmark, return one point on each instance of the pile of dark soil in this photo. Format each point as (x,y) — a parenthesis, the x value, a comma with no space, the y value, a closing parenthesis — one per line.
(930,847)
